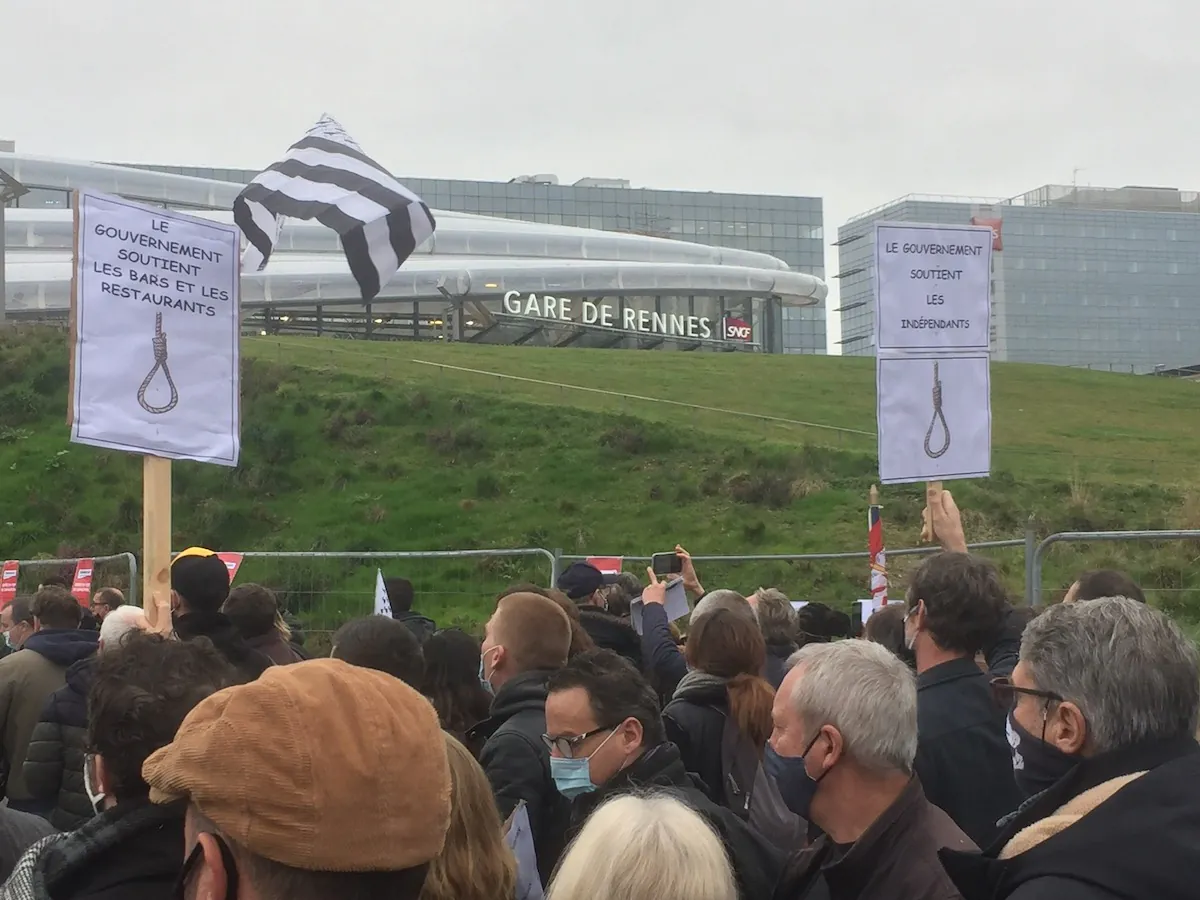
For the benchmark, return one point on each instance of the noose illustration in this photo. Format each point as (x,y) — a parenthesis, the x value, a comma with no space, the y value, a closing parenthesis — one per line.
(937,414)
(160,362)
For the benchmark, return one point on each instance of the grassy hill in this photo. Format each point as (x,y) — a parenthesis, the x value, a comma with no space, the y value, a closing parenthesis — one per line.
(373,447)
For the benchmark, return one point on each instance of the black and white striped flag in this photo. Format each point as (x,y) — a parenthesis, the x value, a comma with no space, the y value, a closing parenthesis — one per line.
(326,176)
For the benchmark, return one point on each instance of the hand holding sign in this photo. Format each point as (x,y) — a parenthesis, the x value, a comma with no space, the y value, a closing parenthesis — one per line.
(941,520)
(656,591)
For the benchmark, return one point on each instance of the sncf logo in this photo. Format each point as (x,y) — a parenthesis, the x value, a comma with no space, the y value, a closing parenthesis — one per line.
(736,330)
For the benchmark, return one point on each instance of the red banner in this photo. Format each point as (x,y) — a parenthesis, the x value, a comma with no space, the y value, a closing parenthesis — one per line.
(81,587)
(997,226)
(233,562)
(609,565)
(8,582)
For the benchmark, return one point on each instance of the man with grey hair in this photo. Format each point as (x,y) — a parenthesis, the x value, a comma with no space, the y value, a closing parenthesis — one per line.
(842,756)
(778,622)
(1103,704)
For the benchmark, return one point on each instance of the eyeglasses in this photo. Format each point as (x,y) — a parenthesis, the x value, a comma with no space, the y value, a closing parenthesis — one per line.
(1005,693)
(566,746)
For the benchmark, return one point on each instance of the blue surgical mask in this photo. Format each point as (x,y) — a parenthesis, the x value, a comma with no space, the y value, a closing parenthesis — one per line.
(573,777)
(1036,764)
(483,678)
(796,787)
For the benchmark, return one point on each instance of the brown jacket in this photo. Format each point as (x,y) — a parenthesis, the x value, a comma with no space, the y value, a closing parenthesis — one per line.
(895,859)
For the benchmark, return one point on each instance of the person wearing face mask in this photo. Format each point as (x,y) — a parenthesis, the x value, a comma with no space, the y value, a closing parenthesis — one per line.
(142,690)
(956,603)
(842,753)
(16,621)
(1103,708)
(525,640)
(606,738)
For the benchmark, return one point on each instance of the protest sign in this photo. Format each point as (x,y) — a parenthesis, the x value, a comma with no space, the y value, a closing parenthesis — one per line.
(81,585)
(233,562)
(155,326)
(934,418)
(675,604)
(608,565)
(932,287)
(8,582)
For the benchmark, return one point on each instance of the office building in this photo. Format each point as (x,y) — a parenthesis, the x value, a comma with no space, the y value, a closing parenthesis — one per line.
(1104,278)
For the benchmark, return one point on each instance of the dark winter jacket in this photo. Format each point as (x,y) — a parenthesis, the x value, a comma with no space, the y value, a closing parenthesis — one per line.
(664,662)
(517,763)
(963,759)
(756,864)
(18,832)
(776,667)
(27,679)
(133,851)
(273,645)
(695,723)
(613,633)
(54,763)
(219,629)
(421,626)
(1104,832)
(896,857)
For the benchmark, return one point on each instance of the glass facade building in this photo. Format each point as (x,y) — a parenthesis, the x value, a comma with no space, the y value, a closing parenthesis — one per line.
(1104,278)
(790,228)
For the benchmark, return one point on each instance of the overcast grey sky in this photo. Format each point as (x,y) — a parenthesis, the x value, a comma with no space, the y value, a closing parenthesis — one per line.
(856,101)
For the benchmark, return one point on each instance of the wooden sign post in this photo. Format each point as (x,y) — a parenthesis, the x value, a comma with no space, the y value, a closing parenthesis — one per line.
(155,324)
(156,542)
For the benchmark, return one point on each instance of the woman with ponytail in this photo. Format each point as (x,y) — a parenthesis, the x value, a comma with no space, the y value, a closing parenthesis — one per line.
(725,655)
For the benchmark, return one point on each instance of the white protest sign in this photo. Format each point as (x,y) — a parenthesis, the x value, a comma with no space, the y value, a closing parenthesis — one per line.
(155,324)
(674,603)
(932,287)
(935,417)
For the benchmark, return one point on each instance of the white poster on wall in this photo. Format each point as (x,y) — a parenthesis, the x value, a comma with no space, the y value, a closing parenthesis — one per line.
(935,417)
(932,287)
(155,324)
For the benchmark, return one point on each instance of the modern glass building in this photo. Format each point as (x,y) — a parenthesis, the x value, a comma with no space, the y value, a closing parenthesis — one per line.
(1105,278)
(789,228)
(479,278)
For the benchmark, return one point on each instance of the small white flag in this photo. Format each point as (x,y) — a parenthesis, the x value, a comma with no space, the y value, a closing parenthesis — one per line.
(383,606)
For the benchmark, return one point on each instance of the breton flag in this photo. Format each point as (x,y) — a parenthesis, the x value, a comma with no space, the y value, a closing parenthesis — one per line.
(879,576)
(326,176)
(383,606)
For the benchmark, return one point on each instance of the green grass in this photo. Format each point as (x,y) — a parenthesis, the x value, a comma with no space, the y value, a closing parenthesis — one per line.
(357,447)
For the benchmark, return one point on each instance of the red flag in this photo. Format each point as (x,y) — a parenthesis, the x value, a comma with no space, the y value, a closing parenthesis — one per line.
(879,576)
(233,562)
(8,582)
(81,587)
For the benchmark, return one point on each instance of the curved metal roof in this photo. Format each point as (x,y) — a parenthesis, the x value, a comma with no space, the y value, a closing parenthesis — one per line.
(476,256)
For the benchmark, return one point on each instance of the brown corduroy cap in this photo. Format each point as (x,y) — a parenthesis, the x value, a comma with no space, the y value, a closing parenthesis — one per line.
(319,765)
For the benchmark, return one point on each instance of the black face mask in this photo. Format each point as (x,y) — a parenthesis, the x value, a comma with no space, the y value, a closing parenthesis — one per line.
(1036,764)
(192,863)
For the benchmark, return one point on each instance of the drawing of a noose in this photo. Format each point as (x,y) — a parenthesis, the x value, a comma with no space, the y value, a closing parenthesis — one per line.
(937,414)
(160,362)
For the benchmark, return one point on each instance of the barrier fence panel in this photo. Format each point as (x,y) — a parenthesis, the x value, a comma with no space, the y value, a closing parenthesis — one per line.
(452,587)
(119,570)
(837,579)
(1163,563)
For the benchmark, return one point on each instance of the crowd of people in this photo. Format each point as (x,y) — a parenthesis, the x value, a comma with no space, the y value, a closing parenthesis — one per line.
(961,746)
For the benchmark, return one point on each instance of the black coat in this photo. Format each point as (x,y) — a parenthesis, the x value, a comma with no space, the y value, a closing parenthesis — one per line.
(896,858)
(776,666)
(54,763)
(133,851)
(695,723)
(421,626)
(612,633)
(219,629)
(756,864)
(963,759)
(18,832)
(517,763)
(1141,842)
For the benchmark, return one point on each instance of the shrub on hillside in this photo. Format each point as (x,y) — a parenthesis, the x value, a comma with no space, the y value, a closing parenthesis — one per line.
(770,489)
(455,441)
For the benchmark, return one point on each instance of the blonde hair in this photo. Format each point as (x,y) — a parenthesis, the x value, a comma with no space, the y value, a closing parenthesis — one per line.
(675,854)
(475,862)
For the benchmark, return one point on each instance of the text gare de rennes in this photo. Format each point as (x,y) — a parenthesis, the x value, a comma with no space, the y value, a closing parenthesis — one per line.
(604,314)
(148,269)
